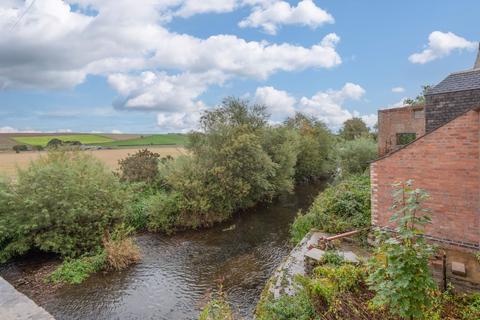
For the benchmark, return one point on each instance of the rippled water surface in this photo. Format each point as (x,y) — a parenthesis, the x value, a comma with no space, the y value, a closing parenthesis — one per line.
(177,272)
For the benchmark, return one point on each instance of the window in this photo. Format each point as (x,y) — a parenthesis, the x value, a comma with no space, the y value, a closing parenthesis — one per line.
(418,114)
(405,138)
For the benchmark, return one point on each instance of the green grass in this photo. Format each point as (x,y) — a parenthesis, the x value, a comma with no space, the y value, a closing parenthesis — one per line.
(158,139)
(43,140)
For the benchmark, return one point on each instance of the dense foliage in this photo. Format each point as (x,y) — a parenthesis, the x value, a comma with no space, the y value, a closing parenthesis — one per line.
(354,156)
(353,129)
(63,203)
(315,147)
(340,207)
(217,309)
(400,273)
(141,166)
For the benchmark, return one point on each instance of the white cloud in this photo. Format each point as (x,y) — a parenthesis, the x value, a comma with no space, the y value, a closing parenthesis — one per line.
(56,46)
(398,90)
(115,131)
(328,106)
(193,7)
(162,92)
(8,129)
(397,104)
(441,44)
(269,15)
(279,103)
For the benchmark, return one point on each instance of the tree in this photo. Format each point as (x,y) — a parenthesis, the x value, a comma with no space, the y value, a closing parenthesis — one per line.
(62,203)
(354,156)
(54,143)
(420,99)
(20,147)
(141,166)
(315,145)
(354,128)
(400,274)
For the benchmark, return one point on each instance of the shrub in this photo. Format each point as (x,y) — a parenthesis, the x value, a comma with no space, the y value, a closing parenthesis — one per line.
(472,308)
(400,274)
(54,143)
(286,307)
(228,170)
(315,146)
(75,271)
(62,203)
(331,258)
(354,156)
(339,208)
(20,147)
(282,144)
(162,210)
(354,128)
(217,309)
(141,166)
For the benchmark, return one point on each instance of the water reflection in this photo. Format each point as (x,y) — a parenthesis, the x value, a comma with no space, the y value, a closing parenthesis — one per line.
(177,272)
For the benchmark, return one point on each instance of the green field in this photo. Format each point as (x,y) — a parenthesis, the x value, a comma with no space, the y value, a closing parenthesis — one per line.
(157,139)
(43,140)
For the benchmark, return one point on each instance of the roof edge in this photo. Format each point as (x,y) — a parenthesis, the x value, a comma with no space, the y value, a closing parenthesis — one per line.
(476,109)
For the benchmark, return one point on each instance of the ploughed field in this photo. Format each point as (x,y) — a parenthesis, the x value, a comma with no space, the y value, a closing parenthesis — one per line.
(9,160)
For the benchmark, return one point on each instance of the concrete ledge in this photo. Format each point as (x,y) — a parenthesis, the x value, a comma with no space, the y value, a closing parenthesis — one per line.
(16,306)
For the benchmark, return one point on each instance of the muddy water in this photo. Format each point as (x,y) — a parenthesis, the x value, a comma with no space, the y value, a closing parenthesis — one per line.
(177,272)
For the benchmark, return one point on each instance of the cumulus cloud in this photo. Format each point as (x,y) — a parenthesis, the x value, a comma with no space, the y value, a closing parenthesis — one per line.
(57,46)
(441,44)
(328,106)
(270,15)
(280,104)
(162,92)
(398,90)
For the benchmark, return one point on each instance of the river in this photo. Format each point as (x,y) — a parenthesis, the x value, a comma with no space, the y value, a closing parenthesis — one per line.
(177,272)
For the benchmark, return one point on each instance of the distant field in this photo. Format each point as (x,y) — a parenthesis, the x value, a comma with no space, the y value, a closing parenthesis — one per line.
(43,140)
(157,139)
(9,161)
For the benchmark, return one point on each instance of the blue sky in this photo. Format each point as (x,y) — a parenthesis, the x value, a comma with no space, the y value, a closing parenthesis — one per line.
(153,66)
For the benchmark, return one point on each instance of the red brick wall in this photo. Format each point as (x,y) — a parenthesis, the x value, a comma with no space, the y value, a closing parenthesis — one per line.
(398,120)
(446,164)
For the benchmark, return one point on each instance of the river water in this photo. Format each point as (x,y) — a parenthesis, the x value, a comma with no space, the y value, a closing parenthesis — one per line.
(177,272)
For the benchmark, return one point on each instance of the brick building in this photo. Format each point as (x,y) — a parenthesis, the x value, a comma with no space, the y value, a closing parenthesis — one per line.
(443,158)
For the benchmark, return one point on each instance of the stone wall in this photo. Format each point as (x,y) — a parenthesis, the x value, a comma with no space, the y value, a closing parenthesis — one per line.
(407,119)
(444,162)
(443,107)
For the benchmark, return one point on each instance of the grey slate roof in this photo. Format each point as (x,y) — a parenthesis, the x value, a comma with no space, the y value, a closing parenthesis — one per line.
(458,81)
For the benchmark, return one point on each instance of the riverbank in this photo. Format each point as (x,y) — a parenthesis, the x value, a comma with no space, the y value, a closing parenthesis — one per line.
(178,272)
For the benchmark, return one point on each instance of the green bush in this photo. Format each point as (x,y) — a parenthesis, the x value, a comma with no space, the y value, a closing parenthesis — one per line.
(75,271)
(286,307)
(354,156)
(141,166)
(315,145)
(282,144)
(62,203)
(472,308)
(217,309)
(228,169)
(339,208)
(354,128)
(399,272)
(162,210)
(331,258)
(20,147)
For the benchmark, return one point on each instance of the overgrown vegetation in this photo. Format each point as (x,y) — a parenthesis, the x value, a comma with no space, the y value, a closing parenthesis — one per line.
(217,308)
(400,275)
(341,207)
